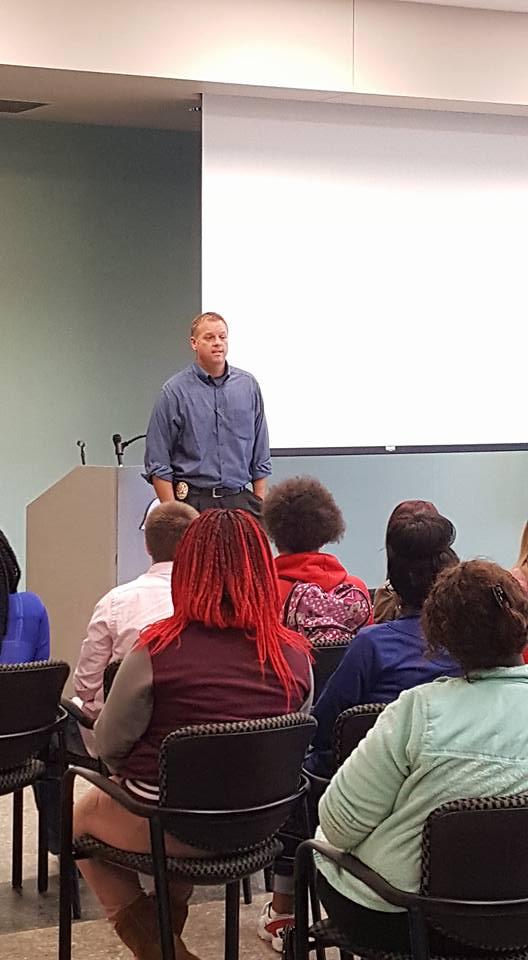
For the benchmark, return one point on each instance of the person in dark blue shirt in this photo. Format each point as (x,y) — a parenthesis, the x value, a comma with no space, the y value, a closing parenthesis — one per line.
(207,438)
(24,627)
(386,658)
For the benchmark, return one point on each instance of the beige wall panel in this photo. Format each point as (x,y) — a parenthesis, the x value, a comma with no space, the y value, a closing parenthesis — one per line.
(71,552)
(291,43)
(451,53)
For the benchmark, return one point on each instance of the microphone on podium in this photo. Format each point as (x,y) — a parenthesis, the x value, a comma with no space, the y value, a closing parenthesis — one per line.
(117,440)
(82,447)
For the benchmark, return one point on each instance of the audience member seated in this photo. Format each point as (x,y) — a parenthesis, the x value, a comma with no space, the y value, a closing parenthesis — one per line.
(301,516)
(223,656)
(122,613)
(455,738)
(24,627)
(382,661)
(386,658)
(386,601)
(520,570)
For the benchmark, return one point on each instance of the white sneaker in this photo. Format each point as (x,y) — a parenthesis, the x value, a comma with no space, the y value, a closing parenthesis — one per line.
(271,926)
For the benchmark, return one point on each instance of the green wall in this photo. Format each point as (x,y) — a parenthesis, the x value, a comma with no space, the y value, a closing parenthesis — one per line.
(99,276)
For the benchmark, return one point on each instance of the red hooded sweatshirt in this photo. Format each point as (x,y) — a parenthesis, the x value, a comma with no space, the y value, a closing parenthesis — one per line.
(321,568)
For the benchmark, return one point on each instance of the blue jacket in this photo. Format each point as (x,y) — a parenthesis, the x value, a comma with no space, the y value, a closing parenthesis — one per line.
(27,636)
(382,660)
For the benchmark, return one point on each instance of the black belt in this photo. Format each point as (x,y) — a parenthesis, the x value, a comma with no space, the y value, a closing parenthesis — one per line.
(214,492)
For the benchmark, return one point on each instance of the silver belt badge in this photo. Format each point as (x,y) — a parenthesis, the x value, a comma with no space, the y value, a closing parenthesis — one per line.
(181,490)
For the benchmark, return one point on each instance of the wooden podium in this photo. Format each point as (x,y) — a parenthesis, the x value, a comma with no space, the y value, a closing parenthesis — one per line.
(83,537)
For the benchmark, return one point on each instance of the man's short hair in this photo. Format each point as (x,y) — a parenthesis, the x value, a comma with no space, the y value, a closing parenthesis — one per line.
(205,316)
(164,528)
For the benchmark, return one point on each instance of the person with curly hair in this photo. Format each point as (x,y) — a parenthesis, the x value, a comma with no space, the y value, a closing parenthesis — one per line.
(301,516)
(458,737)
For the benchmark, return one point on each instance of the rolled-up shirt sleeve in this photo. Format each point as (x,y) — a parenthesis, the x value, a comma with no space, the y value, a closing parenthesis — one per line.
(162,434)
(261,461)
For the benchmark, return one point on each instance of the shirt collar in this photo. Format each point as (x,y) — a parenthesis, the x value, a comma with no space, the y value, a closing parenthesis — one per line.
(206,377)
(164,568)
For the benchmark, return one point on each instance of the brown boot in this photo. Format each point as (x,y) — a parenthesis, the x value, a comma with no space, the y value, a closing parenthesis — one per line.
(137,927)
(179,897)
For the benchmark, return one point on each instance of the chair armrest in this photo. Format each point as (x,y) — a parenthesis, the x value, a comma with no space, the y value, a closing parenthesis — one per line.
(77,714)
(353,865)
(431,906)
(113,790)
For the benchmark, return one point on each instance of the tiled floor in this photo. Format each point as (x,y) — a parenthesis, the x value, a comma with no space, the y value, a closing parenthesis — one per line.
(28,922)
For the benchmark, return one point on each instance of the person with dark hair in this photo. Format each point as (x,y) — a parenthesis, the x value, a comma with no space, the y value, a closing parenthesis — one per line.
(301,516)
(222,656)
(386,601)
(455,738)
(207,436)
(124,611)
(386,658)
(24,626)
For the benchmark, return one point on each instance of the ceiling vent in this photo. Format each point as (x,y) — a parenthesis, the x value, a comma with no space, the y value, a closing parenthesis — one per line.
(19,106)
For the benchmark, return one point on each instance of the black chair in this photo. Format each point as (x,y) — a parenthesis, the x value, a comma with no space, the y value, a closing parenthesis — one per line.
(77,714)
(473,899)
(327,657)
(31,714)
(351,727)
(241,781)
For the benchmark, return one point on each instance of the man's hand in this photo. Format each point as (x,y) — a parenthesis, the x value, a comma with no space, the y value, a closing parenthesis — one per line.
(259,487)
(164,489)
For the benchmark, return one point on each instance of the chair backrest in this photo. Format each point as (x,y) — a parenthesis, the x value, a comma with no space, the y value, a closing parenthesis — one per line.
(241,779)
(478,850)
(109,676)
(327,658)
(351,727)
(30,695)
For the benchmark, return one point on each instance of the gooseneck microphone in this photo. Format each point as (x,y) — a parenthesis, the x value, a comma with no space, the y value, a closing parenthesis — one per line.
(82,447)
(117,440)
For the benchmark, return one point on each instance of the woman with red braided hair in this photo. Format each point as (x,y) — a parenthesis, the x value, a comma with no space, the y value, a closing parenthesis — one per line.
(223,656)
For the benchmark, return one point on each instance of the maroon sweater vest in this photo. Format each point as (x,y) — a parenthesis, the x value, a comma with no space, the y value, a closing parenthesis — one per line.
(212,676)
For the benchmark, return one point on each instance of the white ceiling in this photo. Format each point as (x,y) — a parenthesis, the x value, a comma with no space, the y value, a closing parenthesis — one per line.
(107,99)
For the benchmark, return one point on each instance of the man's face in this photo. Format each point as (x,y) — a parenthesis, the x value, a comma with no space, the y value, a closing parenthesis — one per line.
(210,343)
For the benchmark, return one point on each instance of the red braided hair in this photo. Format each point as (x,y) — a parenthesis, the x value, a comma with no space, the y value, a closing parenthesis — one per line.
(224,576)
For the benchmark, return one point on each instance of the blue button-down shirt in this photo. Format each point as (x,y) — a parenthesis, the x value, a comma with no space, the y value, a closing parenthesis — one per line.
(209,430)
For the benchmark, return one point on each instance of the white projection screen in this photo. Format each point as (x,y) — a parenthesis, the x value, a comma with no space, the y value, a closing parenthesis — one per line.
(371,264)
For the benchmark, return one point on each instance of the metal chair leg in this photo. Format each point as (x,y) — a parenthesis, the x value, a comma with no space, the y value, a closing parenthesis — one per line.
(268,878)
(42,854)
(232,920)
(159,862)
(18,828)
(75,894)
(418,935)
(246,890)
(67,867)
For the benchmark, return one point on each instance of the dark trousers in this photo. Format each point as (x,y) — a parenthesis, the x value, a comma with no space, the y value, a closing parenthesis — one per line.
(245,500)
(370,928)
(383,931)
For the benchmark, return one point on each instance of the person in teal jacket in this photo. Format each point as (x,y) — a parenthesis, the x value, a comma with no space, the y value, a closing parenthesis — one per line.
(449,739)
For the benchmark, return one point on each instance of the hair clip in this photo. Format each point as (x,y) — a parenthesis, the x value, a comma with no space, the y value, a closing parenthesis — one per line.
(498,595)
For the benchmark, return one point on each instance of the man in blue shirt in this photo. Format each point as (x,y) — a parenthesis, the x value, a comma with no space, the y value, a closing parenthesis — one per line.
(207,437)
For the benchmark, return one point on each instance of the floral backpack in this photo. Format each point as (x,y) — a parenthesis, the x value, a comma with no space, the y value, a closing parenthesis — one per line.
(326,617)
